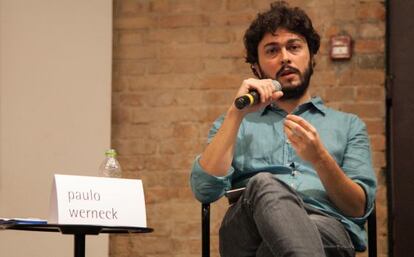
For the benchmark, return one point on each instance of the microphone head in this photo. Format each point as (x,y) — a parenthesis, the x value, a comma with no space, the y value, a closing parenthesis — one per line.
(277,85)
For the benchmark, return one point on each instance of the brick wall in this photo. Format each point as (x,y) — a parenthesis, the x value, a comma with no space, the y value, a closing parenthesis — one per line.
(177,65)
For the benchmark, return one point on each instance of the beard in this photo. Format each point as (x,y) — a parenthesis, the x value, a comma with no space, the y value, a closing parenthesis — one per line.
(290,91)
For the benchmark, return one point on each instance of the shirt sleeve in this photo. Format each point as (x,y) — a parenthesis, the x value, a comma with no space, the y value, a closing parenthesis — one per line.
(208,188)
(357,164)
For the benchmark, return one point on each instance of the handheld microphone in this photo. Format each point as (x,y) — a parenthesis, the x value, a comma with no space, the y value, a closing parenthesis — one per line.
(253,96)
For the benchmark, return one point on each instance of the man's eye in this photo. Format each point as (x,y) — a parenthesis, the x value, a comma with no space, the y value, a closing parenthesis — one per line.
(294,47)
(271,50)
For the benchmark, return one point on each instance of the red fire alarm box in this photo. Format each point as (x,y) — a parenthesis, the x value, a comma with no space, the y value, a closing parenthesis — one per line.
(341,47)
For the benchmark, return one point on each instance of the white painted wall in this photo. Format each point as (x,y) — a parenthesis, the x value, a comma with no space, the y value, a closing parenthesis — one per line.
(55,90)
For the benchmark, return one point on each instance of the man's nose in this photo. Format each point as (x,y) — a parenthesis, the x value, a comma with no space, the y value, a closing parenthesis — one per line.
(285,56)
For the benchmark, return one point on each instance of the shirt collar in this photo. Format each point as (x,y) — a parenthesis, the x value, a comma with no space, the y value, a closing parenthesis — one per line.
(314,102)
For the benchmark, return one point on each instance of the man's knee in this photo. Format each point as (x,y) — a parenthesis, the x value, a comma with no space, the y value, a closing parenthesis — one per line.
(261,178)
(266,183)
(266,179)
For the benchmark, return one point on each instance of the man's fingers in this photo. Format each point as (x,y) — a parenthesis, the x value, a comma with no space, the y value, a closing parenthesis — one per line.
(302,122)
(295,129)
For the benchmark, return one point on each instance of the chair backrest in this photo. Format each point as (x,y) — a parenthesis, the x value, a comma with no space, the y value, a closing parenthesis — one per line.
(205,231)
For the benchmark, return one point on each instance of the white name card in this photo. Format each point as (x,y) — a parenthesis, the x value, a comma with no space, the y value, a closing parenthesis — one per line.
(97,201)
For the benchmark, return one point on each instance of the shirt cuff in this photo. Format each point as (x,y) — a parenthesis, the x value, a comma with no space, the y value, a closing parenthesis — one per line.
(208,188)
(370,202)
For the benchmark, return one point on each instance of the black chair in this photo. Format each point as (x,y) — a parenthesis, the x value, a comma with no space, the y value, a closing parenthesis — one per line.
(205,232)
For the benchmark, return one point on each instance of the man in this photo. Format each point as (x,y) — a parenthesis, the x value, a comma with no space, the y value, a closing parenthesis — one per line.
(306,168)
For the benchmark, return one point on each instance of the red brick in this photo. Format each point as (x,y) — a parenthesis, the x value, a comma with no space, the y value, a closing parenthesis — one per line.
(323,63)
(130,67)
(146,83)
(183,146)
(119,83)
(370,93)
(237,5)
(131,7)
(221,82)
(120,115)
(164,115)
(187,246)
(321,17)
(159,67)
(160,131)
(173,98)
(134,131)
(159,6)
(218,35)
(378,143)
(231,19)
(378,159)
(184,6)
(340,94)
(129,37)
(375,126)
(138,22)
(181,51)
(219,97)
(319,91)
(261,5)
(176,35)
(191,66)
(344,13)
(369,46)
(365,110)
(187,20)
(152,245)
(220,65)
(211,113)
(325,78)
(135,52)
(135,146)
(185,130)
(131,99)
(371,61)
(231,50)
(118,244)
(132,165)
(371,11)
(372,30)
(188,229)
(163,192)
(362,77)
(211,5)
(168,162)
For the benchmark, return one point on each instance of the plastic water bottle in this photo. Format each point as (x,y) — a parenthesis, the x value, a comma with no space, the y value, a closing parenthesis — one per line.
(110,166)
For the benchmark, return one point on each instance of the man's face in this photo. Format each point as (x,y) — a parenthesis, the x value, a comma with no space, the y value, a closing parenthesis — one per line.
(285,56)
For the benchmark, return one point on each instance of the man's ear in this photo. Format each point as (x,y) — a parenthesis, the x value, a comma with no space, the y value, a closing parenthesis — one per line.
(313,62)
(256,70)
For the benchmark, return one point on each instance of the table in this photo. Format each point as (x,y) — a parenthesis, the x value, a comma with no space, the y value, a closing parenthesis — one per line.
(79,232)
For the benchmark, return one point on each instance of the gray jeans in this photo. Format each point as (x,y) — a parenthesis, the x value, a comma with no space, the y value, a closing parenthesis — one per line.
(270,220)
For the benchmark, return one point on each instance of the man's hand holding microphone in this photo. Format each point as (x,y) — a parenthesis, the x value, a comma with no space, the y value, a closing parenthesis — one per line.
(255,94)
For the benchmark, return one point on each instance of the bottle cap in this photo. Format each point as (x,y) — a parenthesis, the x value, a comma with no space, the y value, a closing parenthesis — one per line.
(110,153)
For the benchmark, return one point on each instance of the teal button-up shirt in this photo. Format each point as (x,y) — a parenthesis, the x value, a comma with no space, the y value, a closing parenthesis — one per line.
(262,146)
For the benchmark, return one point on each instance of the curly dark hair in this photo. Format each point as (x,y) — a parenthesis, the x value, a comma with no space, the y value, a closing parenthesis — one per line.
(280,15)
